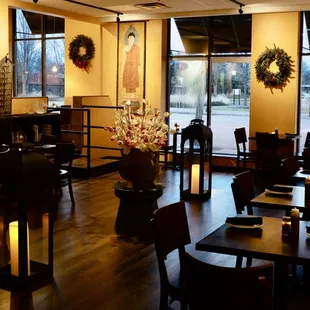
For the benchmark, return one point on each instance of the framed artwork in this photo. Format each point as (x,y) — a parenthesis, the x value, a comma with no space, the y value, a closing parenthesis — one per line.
(131,63)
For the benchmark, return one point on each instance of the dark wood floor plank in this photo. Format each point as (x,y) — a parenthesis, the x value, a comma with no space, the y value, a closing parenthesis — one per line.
(95,269)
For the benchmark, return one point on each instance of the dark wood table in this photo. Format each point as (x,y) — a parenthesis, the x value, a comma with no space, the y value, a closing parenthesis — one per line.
(301,174)
(286,143)
(262,243)
(285,202)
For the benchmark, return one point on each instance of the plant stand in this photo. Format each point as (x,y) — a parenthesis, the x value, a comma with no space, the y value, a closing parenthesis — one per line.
(135,210)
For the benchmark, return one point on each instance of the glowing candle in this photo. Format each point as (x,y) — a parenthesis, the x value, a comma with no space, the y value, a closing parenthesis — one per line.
(13,231)
(1,231)
(195,179)
(45,233)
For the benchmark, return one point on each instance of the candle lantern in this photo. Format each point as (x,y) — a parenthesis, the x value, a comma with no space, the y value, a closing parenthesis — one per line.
(196,161)
(29,254)
(27,234)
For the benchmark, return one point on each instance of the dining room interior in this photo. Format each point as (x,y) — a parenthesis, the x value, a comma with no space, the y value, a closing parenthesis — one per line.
(154,155)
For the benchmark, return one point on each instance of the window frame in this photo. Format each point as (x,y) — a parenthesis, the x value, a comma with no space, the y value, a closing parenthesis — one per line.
(208,57)
(43,40)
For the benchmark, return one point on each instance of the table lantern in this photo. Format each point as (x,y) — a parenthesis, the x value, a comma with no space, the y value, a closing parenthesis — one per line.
(26,244)
(23,269)
(196,161)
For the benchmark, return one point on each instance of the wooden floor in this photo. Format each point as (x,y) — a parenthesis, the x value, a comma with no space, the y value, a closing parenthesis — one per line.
(94,269)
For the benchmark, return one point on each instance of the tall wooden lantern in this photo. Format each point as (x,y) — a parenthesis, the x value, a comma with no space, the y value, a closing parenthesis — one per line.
(196,161)
(26,225)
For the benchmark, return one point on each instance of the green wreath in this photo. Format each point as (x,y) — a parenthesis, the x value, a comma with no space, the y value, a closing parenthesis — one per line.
(279,79)
(81,61)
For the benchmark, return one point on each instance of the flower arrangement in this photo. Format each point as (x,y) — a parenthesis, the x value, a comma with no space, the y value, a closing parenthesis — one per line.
(144,129)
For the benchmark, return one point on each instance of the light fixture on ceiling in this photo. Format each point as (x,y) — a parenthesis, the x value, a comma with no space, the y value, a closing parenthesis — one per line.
(117,18)
(35,1)
(54,69)
(241,5)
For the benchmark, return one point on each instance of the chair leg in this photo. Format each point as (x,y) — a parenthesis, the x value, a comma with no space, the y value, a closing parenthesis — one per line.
(71,191)
(238,162)
(239,261)
(163,303)
(244,162)
(249,261)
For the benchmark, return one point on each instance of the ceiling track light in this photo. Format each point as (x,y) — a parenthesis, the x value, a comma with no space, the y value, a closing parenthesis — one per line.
(241,5)
(117,18)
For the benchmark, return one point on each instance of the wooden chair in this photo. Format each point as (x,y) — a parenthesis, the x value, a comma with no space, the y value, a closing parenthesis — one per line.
(241,142)
(243,191)
(171,233)
(267,157)
(307,141)
(48,139)
(213,287)
(306,158)
(63,161)
(289,167)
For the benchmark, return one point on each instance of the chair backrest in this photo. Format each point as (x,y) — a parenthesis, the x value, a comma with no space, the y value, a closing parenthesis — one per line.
(214,287)
(289,167)
(243,190)
(48,139)
(266,141)
(267,150)
(307,141)
(306,158)
(64,154)
(171,232)
(240,138)
(170,228)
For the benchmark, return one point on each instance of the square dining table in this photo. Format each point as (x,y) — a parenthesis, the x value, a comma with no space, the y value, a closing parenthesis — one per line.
(284,201)
(263,243)
(301,174)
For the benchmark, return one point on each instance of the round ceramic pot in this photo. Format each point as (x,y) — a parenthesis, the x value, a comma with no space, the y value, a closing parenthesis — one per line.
(140,169)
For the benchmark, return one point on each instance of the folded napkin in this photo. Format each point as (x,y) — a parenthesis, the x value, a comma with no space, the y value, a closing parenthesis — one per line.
(281,189)
(244,220)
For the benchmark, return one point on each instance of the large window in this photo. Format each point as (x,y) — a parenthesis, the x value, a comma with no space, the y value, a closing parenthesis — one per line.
(209,75)
(230,101)
(305,81)
(39,56)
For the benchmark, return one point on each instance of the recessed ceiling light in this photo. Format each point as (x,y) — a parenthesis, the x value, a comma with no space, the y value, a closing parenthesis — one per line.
(151,6)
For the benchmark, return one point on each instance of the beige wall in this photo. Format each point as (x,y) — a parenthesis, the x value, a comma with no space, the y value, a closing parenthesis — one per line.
(109,61)
(154,74)
(4,29)
(279,109)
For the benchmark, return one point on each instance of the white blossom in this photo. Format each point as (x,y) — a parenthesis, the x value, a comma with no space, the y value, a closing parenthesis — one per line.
(144,129)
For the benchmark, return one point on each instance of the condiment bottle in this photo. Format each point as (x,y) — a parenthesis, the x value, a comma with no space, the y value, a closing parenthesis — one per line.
(286,225)
(295,223)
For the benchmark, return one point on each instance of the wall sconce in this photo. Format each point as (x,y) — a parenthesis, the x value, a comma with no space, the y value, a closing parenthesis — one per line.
(196,161)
